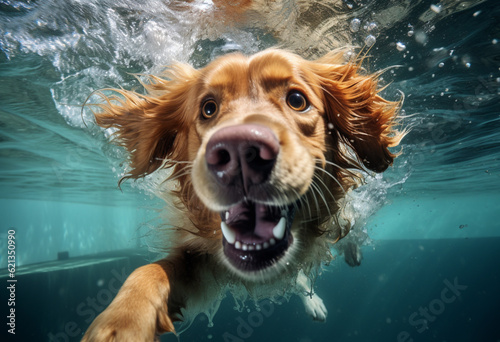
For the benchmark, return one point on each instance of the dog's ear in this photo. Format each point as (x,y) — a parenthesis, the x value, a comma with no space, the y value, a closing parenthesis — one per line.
(363,120)
(150,126)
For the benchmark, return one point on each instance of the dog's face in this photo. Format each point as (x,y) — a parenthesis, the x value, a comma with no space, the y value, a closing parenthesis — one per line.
(261,134)
(268,140)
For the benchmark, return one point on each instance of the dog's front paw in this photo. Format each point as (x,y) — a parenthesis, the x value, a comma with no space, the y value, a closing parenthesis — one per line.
(133,321)
(121,325)
(139,311)
(315,307)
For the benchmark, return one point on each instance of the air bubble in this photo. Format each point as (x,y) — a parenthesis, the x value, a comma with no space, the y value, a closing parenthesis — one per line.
(400,46)
(372,26)
(436,8)
(466,61)
(348,55)
(421,37)
(441,65)
(370,40)
(355,25)
(410,30)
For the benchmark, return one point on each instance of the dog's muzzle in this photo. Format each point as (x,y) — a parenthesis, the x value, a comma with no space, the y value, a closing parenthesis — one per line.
(256,232)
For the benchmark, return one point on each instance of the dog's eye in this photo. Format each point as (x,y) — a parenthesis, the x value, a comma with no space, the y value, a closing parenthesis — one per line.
(297,101)
(209,109)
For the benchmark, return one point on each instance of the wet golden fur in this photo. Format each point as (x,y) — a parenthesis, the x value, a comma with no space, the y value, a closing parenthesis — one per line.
(349,127)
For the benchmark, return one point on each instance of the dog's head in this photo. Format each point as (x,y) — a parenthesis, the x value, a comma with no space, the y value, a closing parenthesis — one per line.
(263,147)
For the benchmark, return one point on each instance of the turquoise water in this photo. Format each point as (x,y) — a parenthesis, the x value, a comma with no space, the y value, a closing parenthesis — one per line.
(432,218)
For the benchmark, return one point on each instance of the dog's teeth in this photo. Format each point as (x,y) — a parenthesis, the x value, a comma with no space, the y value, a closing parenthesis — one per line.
(237,245)
(244,247)
(229,234)
(265,245)
(227,215)
(272,242)
(251,247)
(258,247)
(279,230)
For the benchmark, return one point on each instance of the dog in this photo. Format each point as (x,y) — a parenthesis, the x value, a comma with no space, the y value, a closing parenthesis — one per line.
(261,151)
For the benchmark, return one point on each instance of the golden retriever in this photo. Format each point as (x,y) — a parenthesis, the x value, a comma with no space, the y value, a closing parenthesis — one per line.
(262,150)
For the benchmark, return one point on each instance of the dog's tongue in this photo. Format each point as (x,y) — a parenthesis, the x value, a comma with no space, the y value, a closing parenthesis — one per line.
(253,222)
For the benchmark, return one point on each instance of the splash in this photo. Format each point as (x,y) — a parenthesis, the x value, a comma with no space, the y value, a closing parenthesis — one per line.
(98,44)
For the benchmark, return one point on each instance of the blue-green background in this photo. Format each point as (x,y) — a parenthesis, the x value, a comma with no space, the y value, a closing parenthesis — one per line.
(433,217)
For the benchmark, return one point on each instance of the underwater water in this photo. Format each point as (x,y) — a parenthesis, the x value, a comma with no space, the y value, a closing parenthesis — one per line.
(430,269)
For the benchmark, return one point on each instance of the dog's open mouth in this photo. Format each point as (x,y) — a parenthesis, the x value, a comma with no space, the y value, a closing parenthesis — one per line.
(256,236)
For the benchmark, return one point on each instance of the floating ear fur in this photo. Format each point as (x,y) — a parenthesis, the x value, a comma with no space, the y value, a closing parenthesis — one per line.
(150,126)
(363,119)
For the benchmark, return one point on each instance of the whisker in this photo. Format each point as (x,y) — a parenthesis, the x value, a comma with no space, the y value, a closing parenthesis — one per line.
(345,170)
(172,162)
(320,193)
(300,201)
(184,171)
(325,186)
(177,176)
(332,177)
(304,202)
(314,187)
(334,164)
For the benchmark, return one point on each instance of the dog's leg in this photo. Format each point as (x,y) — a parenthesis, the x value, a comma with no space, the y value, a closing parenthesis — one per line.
(139,311)
(312,302)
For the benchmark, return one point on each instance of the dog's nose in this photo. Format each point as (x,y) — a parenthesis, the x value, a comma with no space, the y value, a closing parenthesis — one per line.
(243,153)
